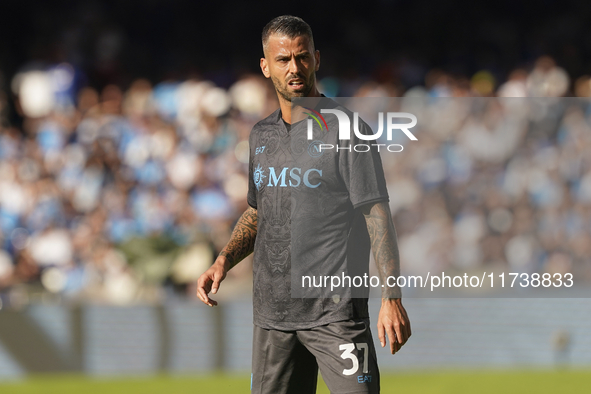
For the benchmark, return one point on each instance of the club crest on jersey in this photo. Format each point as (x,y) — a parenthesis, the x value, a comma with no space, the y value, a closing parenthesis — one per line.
(314,149)
(258,176)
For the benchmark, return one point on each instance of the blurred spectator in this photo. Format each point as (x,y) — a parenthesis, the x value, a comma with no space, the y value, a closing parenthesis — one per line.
(547,79)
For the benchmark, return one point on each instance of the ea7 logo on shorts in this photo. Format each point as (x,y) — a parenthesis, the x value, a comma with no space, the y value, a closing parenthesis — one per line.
(345,125)
(363,378)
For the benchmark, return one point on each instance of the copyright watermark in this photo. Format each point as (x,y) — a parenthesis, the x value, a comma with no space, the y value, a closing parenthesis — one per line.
(433,282)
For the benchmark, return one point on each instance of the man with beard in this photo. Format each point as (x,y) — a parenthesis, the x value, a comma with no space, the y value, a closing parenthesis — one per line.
(294,337)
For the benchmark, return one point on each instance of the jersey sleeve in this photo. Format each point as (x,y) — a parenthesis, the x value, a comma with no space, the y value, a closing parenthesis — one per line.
(362,171)
(251,197)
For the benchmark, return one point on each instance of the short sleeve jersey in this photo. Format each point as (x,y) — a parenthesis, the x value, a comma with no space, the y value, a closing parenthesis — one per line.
(309,220)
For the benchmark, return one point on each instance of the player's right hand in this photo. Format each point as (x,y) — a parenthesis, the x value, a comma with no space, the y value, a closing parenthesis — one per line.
(210,281)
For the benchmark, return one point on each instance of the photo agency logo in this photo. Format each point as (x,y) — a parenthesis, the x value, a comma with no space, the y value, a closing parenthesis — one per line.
(316,147)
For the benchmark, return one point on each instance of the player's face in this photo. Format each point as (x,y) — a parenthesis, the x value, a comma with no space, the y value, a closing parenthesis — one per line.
(291,63)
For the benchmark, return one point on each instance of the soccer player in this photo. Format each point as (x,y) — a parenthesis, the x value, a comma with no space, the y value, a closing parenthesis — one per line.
(294,337)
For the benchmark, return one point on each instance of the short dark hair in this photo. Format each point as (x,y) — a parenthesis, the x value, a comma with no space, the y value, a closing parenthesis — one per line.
(287,25)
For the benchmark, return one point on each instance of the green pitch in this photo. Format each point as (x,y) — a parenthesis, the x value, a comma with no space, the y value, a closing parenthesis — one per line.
(538,382)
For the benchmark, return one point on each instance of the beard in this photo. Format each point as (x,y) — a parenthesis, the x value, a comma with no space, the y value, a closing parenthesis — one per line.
(283,91)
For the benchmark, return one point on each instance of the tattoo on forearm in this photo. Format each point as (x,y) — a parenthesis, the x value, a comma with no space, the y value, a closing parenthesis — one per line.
(383,244)
(241,243)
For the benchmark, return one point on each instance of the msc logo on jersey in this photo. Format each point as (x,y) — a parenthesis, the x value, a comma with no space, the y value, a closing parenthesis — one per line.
(258,176)
(314,149)
(310,178)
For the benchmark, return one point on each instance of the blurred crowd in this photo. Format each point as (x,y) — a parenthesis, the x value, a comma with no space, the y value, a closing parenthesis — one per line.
(127,193)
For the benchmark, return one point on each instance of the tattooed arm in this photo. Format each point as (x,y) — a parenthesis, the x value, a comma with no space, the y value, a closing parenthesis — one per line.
(241,244)
(393,320)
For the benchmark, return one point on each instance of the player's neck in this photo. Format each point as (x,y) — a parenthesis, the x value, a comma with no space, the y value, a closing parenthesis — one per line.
(286,105)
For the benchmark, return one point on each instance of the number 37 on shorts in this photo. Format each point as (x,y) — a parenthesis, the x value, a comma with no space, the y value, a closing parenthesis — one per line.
(348,353)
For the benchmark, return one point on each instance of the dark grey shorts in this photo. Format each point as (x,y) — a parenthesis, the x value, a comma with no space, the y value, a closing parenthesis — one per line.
(286,362)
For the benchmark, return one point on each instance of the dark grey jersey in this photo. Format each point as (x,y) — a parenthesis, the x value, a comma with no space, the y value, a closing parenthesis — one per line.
(309,221)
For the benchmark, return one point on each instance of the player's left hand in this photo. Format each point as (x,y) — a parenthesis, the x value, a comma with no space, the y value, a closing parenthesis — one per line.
(393,322)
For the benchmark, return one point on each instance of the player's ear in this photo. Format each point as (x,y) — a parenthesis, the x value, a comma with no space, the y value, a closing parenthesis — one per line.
(317,57)
(265,67)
